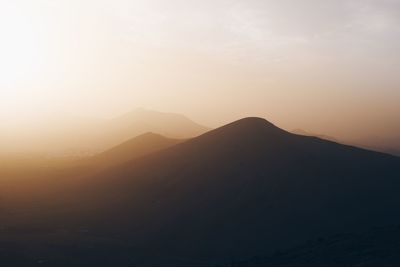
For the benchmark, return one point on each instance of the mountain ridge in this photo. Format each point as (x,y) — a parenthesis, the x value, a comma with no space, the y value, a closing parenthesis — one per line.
(242,190)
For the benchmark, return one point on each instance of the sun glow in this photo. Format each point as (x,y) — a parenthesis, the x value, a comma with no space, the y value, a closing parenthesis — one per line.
(25,55)
(21,52)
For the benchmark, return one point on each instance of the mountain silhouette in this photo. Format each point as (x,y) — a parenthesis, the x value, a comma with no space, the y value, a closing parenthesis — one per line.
(321,136)
(236,192)
(137,147)
(243,189)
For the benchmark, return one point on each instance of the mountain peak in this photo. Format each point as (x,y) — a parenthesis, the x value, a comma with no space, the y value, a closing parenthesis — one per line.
(249,132)
(171,125)
(252,126)
(254,122)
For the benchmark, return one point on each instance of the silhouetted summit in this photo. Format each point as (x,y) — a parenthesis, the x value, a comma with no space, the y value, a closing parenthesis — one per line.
(247,127)
(253,123)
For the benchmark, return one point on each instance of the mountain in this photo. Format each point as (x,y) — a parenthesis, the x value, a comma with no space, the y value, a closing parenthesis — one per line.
(243,190)
(222,195)
(141,121)
(137,147)
(167,124)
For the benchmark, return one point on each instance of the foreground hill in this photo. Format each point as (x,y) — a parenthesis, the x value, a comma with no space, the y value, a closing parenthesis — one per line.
(245,189)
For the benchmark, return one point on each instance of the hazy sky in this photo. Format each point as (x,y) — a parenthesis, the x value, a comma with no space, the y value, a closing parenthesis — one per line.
(326,66)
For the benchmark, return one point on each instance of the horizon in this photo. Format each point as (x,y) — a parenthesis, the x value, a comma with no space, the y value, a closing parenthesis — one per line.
(34,140)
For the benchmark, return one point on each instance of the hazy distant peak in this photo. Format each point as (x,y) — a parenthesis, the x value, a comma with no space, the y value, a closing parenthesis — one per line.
(142,120)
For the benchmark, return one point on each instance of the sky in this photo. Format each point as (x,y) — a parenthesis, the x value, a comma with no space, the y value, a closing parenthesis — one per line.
(328,67)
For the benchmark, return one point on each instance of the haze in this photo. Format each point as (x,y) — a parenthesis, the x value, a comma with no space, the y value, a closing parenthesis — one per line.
(187,133)
(327,67)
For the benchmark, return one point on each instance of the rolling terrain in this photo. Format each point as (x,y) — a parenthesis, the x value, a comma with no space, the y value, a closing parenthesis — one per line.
(243,190)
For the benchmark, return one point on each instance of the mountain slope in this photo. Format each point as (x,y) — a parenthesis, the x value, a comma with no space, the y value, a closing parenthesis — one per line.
(221,195)
(321,136)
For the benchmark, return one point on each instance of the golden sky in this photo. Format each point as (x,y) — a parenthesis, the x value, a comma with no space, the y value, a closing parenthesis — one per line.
(325,66)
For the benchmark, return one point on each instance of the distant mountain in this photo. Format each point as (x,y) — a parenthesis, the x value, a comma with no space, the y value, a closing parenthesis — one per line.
(168,124)
(82,137)
(141,121)
(243,190)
